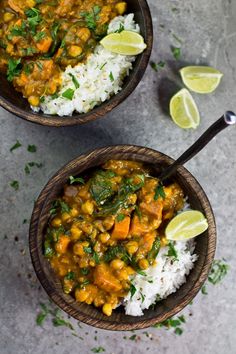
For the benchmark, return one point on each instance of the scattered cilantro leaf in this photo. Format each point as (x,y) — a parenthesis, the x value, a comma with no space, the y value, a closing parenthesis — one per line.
(138,212)
(41,318)
(120,29)
(204,290)
(15,146)
(58,321)
(15,184)
(98,350)
(31,148)
(92,17)
(157,66)
(218,271)
(133,337)
(176,51)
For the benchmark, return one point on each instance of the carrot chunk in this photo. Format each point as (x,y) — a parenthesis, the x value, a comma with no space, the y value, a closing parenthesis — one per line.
(121,229)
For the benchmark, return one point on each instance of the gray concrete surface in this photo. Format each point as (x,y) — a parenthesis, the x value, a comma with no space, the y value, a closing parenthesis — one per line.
(208,33)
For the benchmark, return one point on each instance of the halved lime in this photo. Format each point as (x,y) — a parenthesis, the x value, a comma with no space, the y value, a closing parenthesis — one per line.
(186,225)
(183,110)
(201,79)
(125,43)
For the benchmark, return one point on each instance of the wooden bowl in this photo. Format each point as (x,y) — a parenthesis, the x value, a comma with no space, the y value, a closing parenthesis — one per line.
(14,102)
(205,243)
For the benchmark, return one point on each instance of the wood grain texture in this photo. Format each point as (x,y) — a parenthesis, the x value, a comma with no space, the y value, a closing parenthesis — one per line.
(205,243)
(14,102)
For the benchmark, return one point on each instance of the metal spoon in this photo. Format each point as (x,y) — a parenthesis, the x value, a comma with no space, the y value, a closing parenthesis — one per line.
(229,118)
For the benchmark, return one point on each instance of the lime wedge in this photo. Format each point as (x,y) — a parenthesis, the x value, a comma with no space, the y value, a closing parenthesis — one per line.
(201,79)
(186,225)
(183,110)
(125,43)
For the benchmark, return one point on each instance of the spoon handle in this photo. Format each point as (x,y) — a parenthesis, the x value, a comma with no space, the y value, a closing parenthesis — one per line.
(229,118)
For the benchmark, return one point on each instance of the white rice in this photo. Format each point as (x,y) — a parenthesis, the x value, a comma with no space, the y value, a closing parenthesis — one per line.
(99,78)
(162,279)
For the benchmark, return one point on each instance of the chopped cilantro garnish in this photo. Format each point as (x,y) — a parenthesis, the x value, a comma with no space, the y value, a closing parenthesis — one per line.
(120,217)
(70,276)
(111,77)
(120,29)
(69,94)
(172,251)
(14,68)
(132,290)
(75,81)
(133,337)
(58,321)
(39,36)
(218,271)
(159,192)
(88,249)
(76,180)
(91,17)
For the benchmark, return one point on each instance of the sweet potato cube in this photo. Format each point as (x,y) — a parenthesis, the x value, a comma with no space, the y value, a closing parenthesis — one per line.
(105,280)
(121,229)
(137,227)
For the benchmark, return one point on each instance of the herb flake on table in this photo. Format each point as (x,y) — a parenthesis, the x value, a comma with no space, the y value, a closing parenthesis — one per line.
(59,321)
(176,52)
(218,271)
(15,146)
(15,185)
(32,164)
(31,148)
(157,66)
(98,350)
(133,337)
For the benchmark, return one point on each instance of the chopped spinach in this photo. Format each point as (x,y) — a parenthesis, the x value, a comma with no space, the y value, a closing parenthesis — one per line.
(101,186)
(14,68)
(76,180)
(159,192)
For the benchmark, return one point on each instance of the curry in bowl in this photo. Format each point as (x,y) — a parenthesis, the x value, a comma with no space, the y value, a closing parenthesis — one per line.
(50,52)
(106,239)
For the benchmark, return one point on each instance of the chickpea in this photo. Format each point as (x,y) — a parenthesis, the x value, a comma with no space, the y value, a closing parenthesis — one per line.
(132,199)
(121,7)
(86,227)
(104,237)
(87,207)
(78,249)
(56,222)
(7,17)
(66,217)
(143,263)
(132,247)
(92,263)
(122,274)
(81,294)
(84,34)
(117,264)
(107,309)
(34,101)
(75,233)
(108,222)
(74,212)
(75,51)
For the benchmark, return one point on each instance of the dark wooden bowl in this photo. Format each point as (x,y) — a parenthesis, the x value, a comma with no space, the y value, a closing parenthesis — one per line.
(14,102)
(205,243)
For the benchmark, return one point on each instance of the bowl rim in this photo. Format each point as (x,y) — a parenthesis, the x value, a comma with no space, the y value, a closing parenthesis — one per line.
(35,222)
(107,106)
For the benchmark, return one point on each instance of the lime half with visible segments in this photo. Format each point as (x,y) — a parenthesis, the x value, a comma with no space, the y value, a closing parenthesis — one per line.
(186,225)
(183,110)
(201,79)
(125,43)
